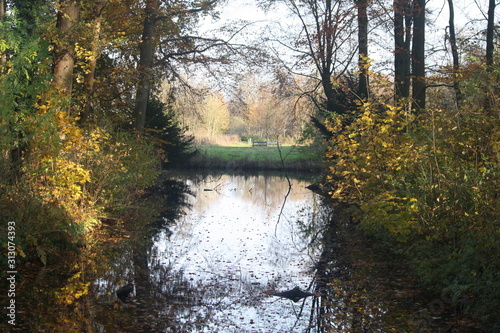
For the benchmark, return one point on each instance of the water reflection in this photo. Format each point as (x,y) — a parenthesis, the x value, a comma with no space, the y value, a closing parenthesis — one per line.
(241,238)
(206,256)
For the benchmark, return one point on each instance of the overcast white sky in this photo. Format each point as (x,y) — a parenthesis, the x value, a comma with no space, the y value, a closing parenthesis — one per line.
(233,12)
(466,11)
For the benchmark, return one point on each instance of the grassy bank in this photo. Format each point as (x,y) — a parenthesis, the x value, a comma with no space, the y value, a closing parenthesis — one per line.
(245,157)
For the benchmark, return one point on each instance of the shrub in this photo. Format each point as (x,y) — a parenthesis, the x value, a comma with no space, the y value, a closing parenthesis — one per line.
(428,185)
(72,177)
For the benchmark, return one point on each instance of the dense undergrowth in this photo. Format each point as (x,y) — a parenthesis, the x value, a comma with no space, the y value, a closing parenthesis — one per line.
(60,178)
(425,184)
(69,178)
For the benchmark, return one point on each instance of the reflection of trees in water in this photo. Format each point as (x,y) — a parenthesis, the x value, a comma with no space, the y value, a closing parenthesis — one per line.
(180,302)
(79,294)
(316,225)
(327,270)
(173,197)
(186,305)
(341,304)
(260,190)
(360,291)
(168,300)
(338,302)
(145,311)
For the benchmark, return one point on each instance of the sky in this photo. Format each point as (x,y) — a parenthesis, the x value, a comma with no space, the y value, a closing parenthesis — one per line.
(234,12)
(466,11)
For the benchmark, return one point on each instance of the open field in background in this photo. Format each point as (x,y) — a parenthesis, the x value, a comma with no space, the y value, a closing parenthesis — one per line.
(242,156)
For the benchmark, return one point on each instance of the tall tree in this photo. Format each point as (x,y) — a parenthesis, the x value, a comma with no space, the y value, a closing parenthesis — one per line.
(402,38)
(154,14)
(331,20)
(490,32)
(491,96)
(454,52)
(418,55)
(3,7)
(326,41)
(362,6)
(96,21)
(147,49)
(64,54)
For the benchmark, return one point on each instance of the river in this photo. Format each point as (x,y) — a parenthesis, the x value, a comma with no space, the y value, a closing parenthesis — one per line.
(243,237)
(219,258)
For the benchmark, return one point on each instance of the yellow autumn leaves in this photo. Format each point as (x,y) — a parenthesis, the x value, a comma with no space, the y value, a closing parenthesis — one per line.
(411,175)
(85,170)
(367,157)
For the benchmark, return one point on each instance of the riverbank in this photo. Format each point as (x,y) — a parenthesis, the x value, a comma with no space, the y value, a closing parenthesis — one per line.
(244,157)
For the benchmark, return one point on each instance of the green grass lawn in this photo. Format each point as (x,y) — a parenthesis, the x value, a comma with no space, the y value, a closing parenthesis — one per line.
(245,156)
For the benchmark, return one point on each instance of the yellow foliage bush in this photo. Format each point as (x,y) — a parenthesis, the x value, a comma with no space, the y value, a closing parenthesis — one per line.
(369,161)
(427,185)
(86,171)
(415,175)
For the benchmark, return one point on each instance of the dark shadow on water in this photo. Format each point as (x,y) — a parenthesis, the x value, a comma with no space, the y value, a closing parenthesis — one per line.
(127,280)
(364,290)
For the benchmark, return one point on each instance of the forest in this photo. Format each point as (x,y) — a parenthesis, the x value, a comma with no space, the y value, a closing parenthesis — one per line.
(98,97)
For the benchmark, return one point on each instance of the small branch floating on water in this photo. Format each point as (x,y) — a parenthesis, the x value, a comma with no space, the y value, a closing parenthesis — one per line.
(295,294)
(216,188)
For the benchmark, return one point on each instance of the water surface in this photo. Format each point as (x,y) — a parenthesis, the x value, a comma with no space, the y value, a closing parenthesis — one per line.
(243,237)
(206,254)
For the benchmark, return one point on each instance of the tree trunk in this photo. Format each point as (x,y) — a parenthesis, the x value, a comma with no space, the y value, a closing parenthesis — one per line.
(325,43)
(3,57)
(490,32)
(95,52)
(363,48)
(64,55)
(143,290)
(147,48)
(418,55)
(402,38)
(492,93)
(454,53)
(326,81)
